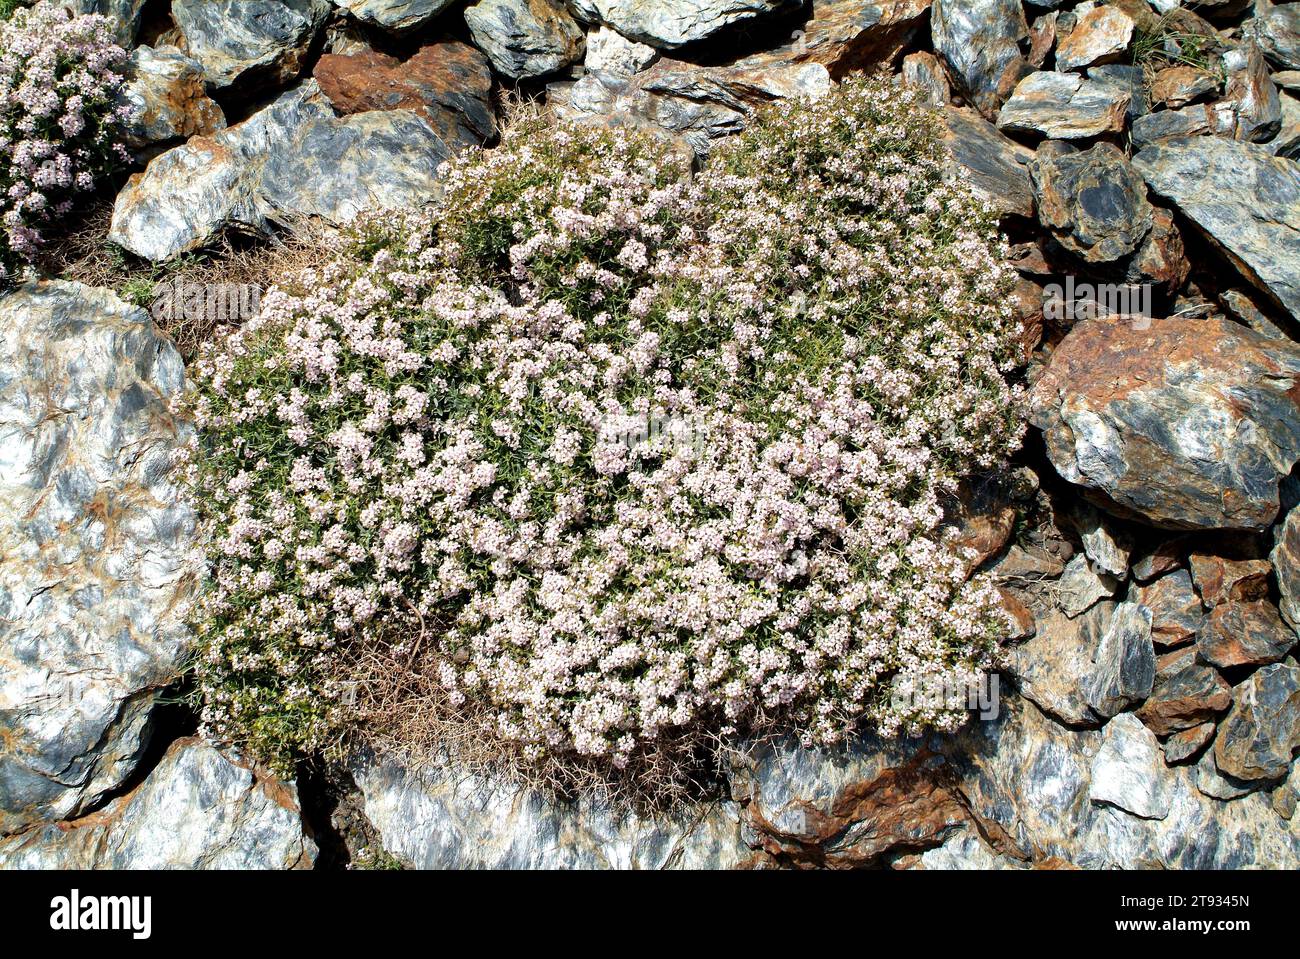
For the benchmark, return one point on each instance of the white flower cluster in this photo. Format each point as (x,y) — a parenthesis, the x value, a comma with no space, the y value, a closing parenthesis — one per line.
(60,124)
(422,438)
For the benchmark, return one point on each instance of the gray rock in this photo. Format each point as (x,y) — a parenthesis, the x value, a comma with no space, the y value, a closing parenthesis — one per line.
(923,71)
(1276,28)
(165,91)
(1250,109)
(1287,142)
(1186,743)
(1124,665)
(1129,772)
(1176,612)
(1216,785)
(847,806)
(1244,200)
(248,39)
(294,158)
(995,166)
(525,38)
(668,24)
(397,16)
(1177,86)
(1286,566)
(1244,634)
(1064,106)
(1195,120)
(1262,731)
(1032,780)
(437,818)
(978,39)
(1101,35)
(698,104)
(610,51)
(1184,423)
(1082,585)
(197,810)
(123,16)
(1108,554)
(96,564)
(1093,202)
(1054,666)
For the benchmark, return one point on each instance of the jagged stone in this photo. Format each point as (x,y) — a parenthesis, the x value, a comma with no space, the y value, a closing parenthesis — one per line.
(434,817)
(198,809)
(1176,613)
(1186,743)
(1285,560)
(1185,423)
(165,91)
(979,40)
(96,567)
(1276,28)
(1244,634)
(1262,731)
(1054,666)
(612,52)
(1124,663)
(1082,585)
(247,40)
(1250,107)
(1092,201)
(1101,35)
(1064,106)
(923,71)
(995,166)
(1220,579)
(1244,200)
(525,38)
(398,16)
(1186,693)
(1128,771)
(668,24)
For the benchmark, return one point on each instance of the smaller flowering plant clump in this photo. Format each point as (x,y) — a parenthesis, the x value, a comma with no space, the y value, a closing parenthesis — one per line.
(432,442)
(60,123)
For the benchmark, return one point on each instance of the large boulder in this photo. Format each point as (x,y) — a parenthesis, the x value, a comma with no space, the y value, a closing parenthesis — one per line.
(1092,201)
(198,809)
(1245,201)
(249,40)
(292,159)
(1184,423)
(96,564)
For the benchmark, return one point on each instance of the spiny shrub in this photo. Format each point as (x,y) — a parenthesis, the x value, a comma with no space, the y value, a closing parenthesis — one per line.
(613,456)
(60,124)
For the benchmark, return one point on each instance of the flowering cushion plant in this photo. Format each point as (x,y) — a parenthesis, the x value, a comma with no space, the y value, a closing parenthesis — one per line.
(614,456)
(60,122)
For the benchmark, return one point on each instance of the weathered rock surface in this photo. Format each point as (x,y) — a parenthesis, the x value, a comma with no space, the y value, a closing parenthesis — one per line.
(1261,733)
(525,38)
(1128,773)
(979,40)
(436,819)
(1064,106)
(1220,579)
(1182,746)
(396,15)
(844,807)
(1177,86)
(1176,613)
(1285,560)
(294,158)
(668,24)
(198,809)
(1244,634)
(1082,585)
(236,40)
(165,91)
(1186,693)
(1124,663)
(449,84)
(924,72)
(1250,106)
(1101,35)
(1276,28)
(95,543)
(1245,201)
(1093,202)
(610,51)
(1184,423)
(699,104)
(995,165)
(1054,667)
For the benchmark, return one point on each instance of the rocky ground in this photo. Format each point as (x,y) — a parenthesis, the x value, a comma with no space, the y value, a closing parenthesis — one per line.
(1146,542)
